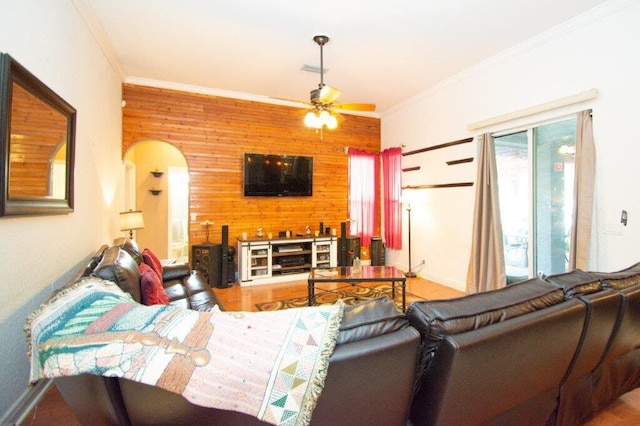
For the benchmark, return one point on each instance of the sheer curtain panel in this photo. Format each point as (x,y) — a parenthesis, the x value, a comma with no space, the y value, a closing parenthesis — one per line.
(364,177)
(392,191)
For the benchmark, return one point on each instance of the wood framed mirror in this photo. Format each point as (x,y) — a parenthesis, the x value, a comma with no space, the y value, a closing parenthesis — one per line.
(38,145)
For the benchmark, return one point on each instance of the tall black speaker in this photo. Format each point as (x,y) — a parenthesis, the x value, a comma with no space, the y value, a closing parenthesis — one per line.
(377,252)
(207,258)
(342,245)
(224,270)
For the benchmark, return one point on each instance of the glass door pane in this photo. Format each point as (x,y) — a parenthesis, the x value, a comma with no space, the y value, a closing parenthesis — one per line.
(513,165)
(554,169)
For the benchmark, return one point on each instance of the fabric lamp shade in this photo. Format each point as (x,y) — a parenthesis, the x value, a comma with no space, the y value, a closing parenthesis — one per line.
(131,220)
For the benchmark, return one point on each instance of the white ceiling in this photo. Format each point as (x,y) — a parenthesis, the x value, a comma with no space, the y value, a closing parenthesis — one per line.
(381,52)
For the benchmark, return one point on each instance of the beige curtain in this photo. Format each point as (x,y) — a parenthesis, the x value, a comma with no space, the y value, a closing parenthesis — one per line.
(583,192)
(486,263)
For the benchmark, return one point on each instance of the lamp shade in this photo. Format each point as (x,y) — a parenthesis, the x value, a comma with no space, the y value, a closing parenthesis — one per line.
(131,220)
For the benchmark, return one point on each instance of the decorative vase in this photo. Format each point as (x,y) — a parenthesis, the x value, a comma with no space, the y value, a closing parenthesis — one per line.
(357,265)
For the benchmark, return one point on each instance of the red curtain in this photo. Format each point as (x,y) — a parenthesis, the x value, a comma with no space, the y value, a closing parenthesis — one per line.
(392,175)
(364,179)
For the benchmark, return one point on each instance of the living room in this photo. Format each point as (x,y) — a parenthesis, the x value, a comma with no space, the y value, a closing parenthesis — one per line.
(594,50)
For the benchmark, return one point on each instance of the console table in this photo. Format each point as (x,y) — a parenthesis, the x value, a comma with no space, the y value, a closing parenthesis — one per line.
(268,261)
(347,275)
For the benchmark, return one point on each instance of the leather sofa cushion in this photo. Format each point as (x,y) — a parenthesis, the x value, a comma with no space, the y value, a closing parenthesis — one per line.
(175,290)
(621,280)
(576,283)
(204,301)
(195,282)
(118,266)
(453,316)
(369,319)
(175,271)
(130,246)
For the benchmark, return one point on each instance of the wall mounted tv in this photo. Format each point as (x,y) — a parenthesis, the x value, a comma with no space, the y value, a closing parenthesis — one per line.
(278,175)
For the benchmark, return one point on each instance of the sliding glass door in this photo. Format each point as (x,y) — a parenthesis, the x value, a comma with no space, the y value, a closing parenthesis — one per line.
(535,180)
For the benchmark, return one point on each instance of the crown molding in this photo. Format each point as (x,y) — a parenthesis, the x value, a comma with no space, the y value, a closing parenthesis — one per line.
(201,90)
(100,36)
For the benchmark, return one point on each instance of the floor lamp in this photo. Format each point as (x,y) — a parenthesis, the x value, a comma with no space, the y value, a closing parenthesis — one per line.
(409,273)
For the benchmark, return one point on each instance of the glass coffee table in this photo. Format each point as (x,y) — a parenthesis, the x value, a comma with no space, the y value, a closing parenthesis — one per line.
(347,275)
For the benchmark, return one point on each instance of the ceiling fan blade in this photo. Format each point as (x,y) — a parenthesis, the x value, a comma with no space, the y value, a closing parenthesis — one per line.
(328,95)
(355,107)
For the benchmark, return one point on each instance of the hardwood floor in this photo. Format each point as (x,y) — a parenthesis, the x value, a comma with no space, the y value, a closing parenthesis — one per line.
(52,410)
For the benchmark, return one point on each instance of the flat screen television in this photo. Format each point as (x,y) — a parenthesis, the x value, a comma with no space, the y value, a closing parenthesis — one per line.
(278,175)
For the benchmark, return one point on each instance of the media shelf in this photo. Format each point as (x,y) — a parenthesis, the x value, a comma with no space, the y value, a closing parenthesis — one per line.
(262,261)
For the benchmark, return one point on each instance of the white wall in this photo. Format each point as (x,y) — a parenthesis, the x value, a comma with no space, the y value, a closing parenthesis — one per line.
(37,253)
(595,50)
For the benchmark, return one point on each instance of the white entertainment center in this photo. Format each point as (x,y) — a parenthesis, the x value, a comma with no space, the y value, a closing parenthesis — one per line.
(267,261)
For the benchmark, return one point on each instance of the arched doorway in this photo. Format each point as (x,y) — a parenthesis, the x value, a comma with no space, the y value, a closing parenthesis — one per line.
(157,183)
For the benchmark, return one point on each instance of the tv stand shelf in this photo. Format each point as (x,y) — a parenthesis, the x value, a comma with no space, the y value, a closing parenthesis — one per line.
(264,261)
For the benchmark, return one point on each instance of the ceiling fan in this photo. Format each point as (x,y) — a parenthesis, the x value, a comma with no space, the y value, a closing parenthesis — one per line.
(322,99)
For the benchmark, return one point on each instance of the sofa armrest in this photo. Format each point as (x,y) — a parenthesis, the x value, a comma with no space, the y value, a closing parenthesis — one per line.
(175,272)
(369,319)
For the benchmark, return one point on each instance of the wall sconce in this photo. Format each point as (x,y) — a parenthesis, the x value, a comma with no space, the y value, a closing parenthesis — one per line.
(131,220)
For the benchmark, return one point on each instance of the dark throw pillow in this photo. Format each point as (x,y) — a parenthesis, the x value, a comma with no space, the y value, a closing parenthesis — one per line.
(151,287)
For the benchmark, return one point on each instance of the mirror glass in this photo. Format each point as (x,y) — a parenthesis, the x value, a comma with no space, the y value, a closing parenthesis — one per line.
(37,159)
(38,129)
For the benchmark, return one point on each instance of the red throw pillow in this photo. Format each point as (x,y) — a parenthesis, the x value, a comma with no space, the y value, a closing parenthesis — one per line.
(152,260)
(151,287)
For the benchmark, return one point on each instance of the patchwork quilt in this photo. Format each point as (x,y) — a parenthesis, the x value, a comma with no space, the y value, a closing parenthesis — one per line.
(271,365)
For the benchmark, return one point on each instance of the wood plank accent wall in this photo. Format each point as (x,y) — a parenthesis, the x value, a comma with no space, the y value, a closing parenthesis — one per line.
(214,132)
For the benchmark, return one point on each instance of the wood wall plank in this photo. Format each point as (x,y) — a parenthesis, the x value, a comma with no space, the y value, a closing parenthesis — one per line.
(213,133)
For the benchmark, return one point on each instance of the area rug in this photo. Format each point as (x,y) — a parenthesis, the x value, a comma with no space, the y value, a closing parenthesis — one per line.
(350,295)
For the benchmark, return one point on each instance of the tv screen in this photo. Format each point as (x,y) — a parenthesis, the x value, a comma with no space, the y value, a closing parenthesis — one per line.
(277,175)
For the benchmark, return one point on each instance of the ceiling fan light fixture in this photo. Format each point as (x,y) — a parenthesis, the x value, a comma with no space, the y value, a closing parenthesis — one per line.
(312,120)
(324,116)
(322,99)
(320,118)
(333,122)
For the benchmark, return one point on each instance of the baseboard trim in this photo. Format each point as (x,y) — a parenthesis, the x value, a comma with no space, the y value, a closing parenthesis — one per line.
(25,404)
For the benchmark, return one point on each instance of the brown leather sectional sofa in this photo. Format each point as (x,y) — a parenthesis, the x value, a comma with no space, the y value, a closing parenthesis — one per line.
(539,352)
(375,338)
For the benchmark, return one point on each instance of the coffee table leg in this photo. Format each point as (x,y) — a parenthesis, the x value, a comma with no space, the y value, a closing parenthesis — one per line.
(403,285)
(311,292)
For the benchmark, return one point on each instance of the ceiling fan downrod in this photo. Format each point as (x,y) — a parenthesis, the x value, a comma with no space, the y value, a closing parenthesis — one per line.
(321,40)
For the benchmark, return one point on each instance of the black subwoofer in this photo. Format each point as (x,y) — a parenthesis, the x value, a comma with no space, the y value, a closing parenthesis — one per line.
(207,258)
(353,246)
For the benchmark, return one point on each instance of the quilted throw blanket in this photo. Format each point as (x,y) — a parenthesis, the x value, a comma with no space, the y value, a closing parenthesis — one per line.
(270,365)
